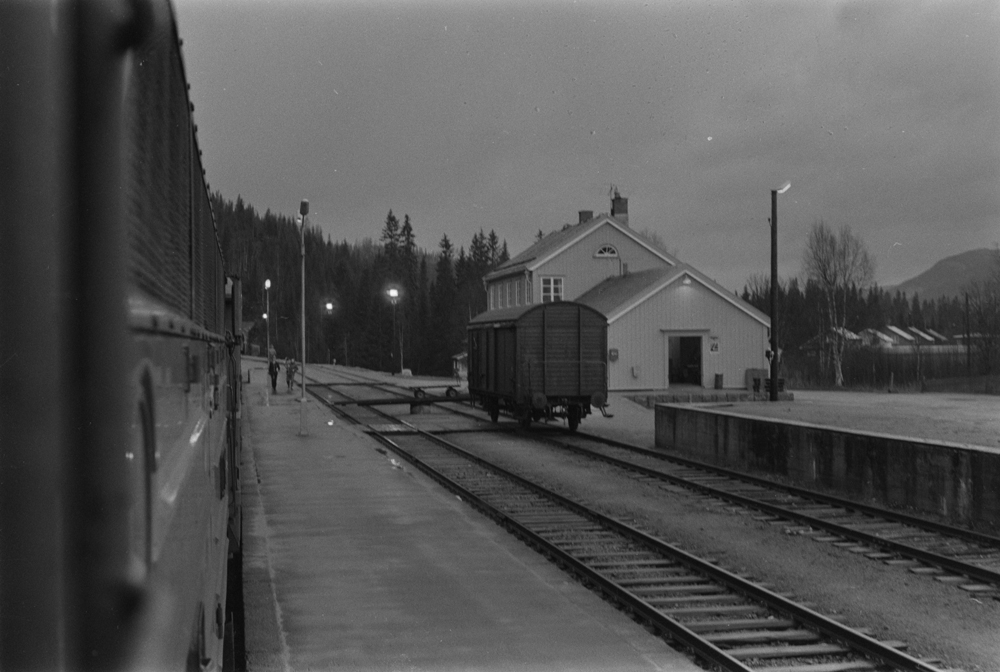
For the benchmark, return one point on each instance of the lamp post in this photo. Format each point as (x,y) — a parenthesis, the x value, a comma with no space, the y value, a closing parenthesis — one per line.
(393,294)
(303,211)
(328,306)
(774,288)
(267,317)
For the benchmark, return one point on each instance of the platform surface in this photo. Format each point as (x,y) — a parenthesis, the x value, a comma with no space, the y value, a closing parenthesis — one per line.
(353,560)
(968,419)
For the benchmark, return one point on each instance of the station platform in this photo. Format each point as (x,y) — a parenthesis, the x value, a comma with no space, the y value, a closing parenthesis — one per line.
(355,560)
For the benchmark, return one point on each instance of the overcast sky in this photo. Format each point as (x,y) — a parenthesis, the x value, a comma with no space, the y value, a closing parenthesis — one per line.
(513,116)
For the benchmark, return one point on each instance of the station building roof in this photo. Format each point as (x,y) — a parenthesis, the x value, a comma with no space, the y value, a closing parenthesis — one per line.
(618,295)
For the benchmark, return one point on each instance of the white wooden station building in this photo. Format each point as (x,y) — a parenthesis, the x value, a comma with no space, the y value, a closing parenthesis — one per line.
(669,324)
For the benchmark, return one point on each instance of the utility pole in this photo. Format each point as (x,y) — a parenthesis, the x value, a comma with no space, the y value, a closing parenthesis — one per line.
(774,289)
(303,211)
(267,319)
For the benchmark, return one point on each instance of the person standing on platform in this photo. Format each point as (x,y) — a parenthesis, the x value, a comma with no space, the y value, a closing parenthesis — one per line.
(290,368)
(272,370)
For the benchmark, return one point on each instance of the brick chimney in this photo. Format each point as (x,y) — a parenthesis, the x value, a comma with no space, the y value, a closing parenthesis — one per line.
(619,207)
(586,216)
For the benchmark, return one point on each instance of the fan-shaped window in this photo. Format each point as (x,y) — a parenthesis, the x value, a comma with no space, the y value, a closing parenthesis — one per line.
(606,251)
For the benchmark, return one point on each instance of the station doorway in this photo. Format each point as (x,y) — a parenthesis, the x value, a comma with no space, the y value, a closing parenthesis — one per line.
(684,360)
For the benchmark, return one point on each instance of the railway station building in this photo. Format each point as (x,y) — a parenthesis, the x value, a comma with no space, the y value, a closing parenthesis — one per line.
(669,324)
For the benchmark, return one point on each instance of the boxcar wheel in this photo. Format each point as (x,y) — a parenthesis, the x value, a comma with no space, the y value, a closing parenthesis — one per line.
(574,415)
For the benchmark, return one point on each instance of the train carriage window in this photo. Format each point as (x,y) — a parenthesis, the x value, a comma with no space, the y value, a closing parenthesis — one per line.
(552,290)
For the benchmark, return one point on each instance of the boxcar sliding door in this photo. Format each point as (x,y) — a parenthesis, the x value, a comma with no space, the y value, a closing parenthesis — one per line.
(505,351)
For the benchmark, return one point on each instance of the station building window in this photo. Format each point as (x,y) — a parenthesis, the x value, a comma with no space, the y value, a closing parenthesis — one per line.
(606,251)
(552,290)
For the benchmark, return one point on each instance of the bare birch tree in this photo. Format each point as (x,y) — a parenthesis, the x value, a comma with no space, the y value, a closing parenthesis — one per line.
(983,305)
(837,261)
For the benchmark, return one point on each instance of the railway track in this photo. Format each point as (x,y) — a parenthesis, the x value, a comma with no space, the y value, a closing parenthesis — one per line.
(966,558)
(725,619)
(969,559)
(953,555)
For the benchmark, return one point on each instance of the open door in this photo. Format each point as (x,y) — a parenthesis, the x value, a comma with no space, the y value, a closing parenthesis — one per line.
(684,365)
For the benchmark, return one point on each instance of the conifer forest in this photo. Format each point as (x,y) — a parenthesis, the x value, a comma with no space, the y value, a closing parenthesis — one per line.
(437,291)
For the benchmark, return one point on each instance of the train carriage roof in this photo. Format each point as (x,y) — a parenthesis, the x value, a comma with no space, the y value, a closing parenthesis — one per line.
(513,314)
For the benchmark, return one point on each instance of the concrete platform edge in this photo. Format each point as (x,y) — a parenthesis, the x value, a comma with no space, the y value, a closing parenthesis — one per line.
(954,481)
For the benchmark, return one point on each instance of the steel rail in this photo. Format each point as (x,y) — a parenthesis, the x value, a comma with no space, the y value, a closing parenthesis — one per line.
(403,401)
(856,640)
(952,565)
(929,557)
(930,525)
(832,629)
(664,624)
(859,507)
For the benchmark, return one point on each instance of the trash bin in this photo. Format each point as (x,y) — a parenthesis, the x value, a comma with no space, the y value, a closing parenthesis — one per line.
(718,381)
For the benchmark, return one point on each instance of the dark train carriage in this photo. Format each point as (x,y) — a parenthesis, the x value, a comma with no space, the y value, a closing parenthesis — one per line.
(540,361)
(120,524)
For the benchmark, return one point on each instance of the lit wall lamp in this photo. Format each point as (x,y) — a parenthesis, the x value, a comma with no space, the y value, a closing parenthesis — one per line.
(686,280)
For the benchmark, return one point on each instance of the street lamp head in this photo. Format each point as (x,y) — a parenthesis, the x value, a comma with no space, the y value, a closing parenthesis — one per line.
(785,187)
(265,316)
(304,207)
(267,284)
(329,306)
(393,293)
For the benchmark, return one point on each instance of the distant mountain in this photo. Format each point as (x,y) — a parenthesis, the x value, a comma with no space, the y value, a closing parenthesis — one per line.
(948,276)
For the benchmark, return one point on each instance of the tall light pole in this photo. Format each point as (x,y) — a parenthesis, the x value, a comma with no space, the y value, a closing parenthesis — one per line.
(267,317)
(303,211)
(393,294)
(328,306)
(774,288)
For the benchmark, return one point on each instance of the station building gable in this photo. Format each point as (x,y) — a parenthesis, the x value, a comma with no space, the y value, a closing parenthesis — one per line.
(669,324)
(567,263)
